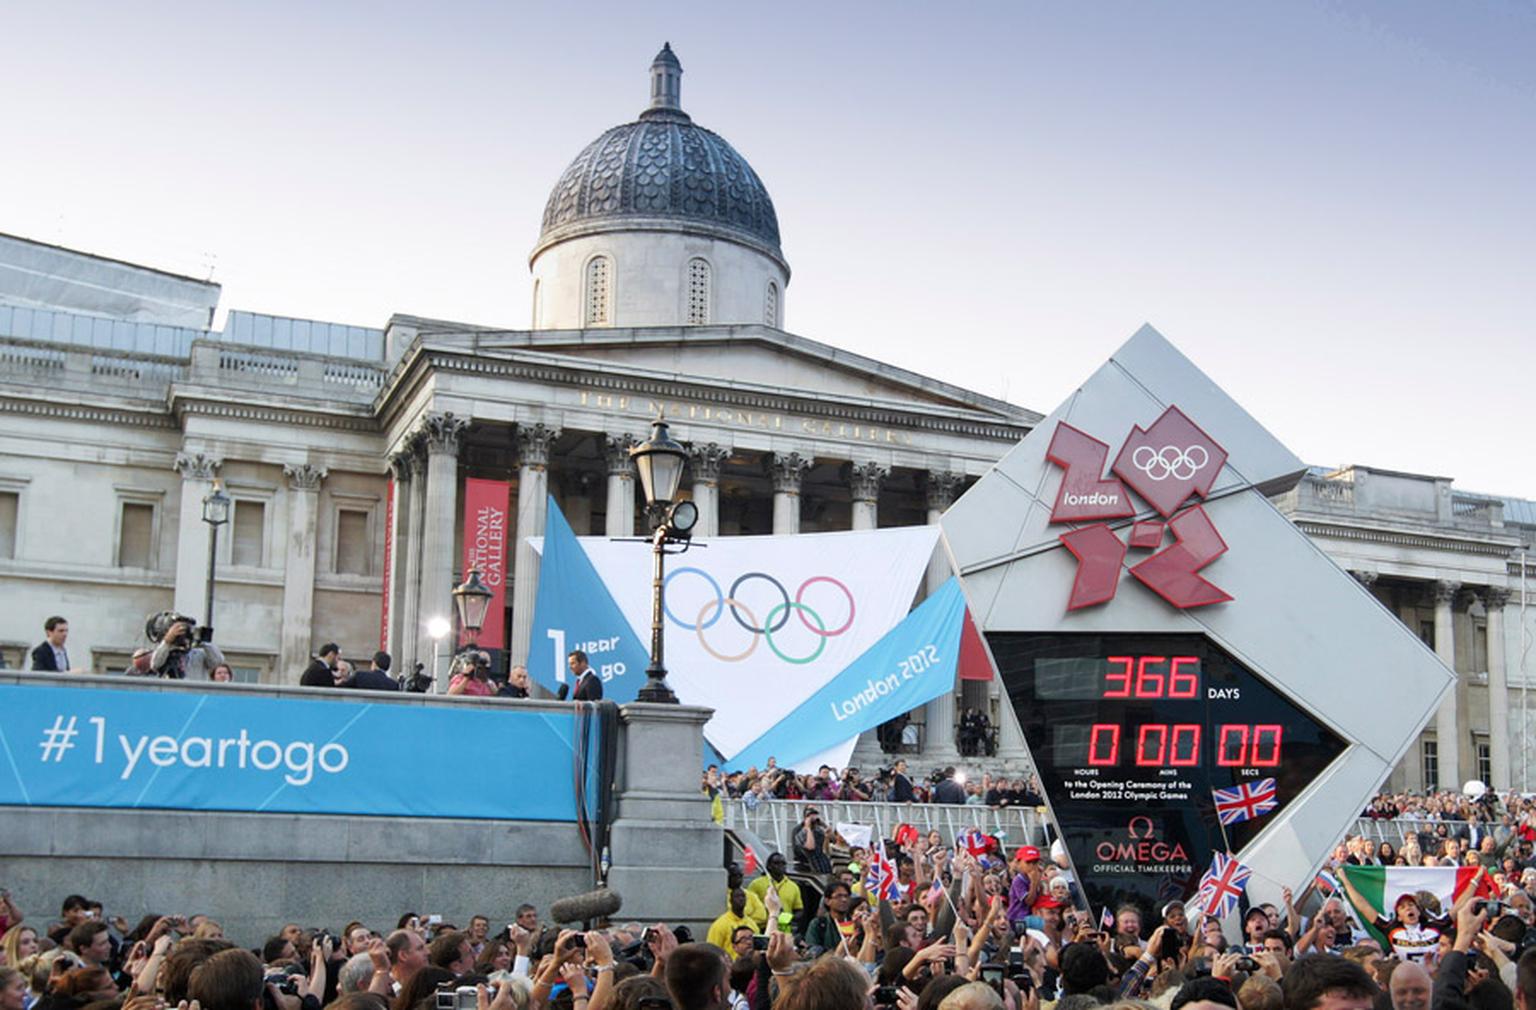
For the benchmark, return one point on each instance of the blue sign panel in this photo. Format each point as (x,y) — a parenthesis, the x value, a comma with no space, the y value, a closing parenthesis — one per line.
(184,751)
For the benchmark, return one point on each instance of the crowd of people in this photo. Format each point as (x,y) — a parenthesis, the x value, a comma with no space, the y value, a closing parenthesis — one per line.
(180,650)
(964,925)
(754,786)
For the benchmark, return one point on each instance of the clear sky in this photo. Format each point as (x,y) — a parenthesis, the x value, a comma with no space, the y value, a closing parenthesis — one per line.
(1330,207)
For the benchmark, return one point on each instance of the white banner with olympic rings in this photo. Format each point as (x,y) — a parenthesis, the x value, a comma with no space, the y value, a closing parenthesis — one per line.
(757,625)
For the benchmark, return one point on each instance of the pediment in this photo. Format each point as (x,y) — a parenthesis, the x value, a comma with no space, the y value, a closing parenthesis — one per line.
(749,357)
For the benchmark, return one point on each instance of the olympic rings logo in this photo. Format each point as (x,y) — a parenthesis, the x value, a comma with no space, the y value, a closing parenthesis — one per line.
(773,621)
(1170,461)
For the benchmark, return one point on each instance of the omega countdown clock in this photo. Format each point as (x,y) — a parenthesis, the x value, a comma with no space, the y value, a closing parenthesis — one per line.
(1190,674)
(1128,726)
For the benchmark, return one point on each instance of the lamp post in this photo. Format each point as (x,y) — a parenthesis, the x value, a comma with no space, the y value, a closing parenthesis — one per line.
(659,461)
(215,513)
(471,600)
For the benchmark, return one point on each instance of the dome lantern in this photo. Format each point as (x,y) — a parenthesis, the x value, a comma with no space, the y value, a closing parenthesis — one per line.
(666,84)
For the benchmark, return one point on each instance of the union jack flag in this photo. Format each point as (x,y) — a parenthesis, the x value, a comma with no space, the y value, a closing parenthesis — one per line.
(1245,801)
(974,841)
(880,877)
(1222,885)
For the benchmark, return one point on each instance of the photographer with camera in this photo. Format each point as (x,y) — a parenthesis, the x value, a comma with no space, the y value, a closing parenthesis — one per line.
(810,844)
(182,650)
(472,674)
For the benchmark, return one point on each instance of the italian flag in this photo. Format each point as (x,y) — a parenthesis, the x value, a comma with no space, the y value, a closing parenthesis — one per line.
(1374,890)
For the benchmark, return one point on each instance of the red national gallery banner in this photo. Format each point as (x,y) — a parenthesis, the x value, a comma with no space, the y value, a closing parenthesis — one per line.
(485,547)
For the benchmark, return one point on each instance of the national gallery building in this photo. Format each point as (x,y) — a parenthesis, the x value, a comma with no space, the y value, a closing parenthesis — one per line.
(659,287)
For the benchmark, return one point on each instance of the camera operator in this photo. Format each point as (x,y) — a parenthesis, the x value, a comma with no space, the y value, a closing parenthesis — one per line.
(472,674)
(810,844)
(180,653)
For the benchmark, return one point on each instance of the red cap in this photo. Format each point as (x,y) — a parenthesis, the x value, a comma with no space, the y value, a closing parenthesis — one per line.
(1027,853)
(1050,902)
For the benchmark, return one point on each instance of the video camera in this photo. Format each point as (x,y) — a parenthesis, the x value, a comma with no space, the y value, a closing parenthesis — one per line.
(158,624)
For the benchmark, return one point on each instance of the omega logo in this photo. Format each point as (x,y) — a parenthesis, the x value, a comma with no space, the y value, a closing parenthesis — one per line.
(1142,847)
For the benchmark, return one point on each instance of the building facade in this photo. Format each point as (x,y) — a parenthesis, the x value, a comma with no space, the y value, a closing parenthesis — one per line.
(659,288)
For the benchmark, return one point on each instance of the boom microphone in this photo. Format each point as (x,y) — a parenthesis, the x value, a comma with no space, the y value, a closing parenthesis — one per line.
(599,904)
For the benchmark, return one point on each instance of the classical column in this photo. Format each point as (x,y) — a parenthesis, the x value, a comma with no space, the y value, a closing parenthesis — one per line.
(1366,579)
(1447,737)
(401,470)
(864,481)
(787,469)
(197,473)
(411,616)
(704,463)
(577,501)
(621,485)
(441,434)
(1494,599)
(939,714)
(299,631)
(533,443)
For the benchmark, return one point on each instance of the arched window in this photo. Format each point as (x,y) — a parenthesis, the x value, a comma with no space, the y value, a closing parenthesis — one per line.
(599,298)
(771,304)
(698,291)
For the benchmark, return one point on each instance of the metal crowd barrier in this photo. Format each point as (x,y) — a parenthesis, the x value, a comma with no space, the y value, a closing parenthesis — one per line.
(1397,829)
(775,821)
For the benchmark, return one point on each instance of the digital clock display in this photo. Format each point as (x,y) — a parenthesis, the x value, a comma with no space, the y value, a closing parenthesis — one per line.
(1133,733)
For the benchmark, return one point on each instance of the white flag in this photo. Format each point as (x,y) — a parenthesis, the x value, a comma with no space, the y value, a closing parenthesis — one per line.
(856,835)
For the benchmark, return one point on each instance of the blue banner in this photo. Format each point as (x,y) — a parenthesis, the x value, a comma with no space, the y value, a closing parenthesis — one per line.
(574,610)
(175,750)
(914,663)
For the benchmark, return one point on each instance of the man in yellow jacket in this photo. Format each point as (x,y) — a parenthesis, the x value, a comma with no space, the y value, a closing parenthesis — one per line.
(789,893)
(723,929)
(755,909)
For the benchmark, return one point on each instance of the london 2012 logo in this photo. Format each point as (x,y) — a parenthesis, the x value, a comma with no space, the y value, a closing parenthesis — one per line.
(1165,465)
(832,615)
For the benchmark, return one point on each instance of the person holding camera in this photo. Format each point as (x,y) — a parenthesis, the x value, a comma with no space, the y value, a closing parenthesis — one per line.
(472,675)
(179,656)
(810,844)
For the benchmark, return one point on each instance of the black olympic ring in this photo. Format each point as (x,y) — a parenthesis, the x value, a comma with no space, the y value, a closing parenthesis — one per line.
(782,592)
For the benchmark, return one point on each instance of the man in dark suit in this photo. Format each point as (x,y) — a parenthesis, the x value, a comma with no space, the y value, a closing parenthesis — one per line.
(376,677)
(49,656)
(589,686)
(321,671)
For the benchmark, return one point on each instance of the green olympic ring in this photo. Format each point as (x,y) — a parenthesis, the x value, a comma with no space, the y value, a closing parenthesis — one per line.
(821,638)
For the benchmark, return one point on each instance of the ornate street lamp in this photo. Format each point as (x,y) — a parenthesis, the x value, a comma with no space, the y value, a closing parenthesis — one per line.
(216,505)
(659,461)
(472,599)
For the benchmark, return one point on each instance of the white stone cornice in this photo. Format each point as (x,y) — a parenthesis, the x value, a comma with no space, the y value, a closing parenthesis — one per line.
(157,418)
(295,416)
(1397,538)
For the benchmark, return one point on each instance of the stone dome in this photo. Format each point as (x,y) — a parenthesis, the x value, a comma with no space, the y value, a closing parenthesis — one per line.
(662,172)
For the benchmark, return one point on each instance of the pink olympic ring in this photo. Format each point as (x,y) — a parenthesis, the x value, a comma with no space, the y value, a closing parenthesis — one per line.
(799,599)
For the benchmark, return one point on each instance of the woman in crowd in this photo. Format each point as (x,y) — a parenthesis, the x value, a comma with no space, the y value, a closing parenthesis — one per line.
(13,989)
(19,943)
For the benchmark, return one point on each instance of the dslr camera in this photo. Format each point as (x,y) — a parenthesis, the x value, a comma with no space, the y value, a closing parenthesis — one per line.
(455,997)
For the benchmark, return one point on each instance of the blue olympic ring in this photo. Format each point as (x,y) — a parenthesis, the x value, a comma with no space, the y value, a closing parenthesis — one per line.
(719,597)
